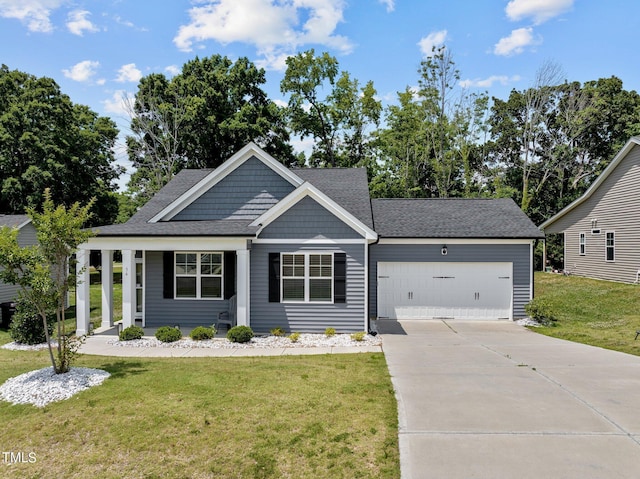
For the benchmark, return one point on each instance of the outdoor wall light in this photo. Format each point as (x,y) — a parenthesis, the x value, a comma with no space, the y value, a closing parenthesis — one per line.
(444,250)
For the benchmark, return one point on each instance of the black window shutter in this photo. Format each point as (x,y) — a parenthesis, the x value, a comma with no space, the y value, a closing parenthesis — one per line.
(274,277)
(167,274)
(339,278)
(229,274)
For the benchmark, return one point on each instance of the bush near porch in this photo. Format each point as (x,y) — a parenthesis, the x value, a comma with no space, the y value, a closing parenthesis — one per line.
(291,416)
(589,311)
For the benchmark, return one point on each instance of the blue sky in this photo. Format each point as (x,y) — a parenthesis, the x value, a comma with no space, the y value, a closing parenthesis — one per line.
(98,50)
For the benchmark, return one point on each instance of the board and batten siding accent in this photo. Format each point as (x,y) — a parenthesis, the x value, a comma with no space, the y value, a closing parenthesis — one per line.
(26,237)
(187,313)
(615,204)
(246,193)
(308,317)
(308,219)
(518,254)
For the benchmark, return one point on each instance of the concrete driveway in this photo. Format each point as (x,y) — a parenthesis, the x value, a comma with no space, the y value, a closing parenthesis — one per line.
(490,399)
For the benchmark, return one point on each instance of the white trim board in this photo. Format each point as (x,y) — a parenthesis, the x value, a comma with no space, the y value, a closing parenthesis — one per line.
(448,241)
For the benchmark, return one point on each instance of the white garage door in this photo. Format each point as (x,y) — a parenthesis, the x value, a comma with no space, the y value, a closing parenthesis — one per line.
(445,290)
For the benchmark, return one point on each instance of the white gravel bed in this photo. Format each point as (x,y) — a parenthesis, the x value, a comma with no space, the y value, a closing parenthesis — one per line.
(528,322)
(28,347)
(304,341)
(43,386)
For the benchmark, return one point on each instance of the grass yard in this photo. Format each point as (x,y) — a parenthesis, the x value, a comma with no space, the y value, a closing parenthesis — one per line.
(330,416)
(599,313)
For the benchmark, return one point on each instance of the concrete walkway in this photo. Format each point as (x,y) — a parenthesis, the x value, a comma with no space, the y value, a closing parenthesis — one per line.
(98,344)
(494,400)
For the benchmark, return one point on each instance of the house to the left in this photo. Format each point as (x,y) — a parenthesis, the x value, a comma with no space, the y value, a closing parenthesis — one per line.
(26,237)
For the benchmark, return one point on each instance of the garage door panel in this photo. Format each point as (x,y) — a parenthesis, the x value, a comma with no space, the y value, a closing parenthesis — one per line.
(444,290)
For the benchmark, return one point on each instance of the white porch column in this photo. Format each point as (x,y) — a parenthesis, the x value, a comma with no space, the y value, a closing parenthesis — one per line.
(128,287)
(242,287)
(83,310)
(107,288)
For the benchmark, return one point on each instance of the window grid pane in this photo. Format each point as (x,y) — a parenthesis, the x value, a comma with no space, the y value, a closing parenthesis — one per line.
(198,275)
(307,277)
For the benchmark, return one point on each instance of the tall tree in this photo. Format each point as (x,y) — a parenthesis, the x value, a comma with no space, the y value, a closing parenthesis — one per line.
(430,144)
(46,141)
(42,270)
(199,118)
(341,121)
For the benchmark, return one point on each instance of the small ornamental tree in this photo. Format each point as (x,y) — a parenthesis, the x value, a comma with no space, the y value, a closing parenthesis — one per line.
(42,271)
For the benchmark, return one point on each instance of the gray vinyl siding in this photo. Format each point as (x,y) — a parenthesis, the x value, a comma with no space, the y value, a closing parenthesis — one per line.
(26,237)
(245,193)
(311,318)
(308,219)
(160,311)
(615,204)
(518,254)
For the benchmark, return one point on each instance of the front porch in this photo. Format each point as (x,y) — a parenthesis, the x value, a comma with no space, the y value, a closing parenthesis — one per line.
(153,296)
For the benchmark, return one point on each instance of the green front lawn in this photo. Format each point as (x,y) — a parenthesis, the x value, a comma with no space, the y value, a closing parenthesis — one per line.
(330,416)
(599,313)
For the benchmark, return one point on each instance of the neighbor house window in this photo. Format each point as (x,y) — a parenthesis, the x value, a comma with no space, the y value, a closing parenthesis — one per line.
(307,277)
(583,244)
(198,275)
(611,246)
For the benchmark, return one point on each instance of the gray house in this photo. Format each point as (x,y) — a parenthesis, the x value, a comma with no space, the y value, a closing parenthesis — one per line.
(26,237)
(307,249)
(602,228)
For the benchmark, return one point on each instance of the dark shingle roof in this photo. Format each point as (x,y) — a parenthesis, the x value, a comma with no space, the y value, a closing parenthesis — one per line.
(180,228)
(13,221)
(451,218)
(346,186)
(349,187)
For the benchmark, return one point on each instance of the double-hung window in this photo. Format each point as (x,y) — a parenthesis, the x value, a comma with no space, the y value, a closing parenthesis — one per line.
(610,247)
(198,275)
(583,244)
(307,277)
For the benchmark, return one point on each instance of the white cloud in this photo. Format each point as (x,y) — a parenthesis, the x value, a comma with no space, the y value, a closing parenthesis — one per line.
(391,4)
(78,23)
(34,13)
(128,73)
(82,71)
(117,104)
(275,28)
(173,70)
(488,82)
(515,43)
(539,10)
(431,41)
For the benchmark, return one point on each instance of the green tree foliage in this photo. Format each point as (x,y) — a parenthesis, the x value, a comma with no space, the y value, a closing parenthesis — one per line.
(431,144)
(199,118)
(46,141)
(341,121)
(42,270)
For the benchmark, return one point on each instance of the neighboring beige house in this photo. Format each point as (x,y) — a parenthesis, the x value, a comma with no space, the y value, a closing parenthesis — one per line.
(26,237)
(602,228)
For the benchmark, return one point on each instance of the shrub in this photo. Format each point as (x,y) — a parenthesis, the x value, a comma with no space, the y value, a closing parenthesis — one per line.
(240,334)
(277,332)
(541,311)
(168,334)
(294,337)
(329,332)
(26,324)
(130,333)
(202,332)
(359,336)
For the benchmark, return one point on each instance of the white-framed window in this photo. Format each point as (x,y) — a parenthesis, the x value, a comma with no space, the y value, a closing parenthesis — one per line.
(198,275)
(583,244)
(306,277)
(610,246)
